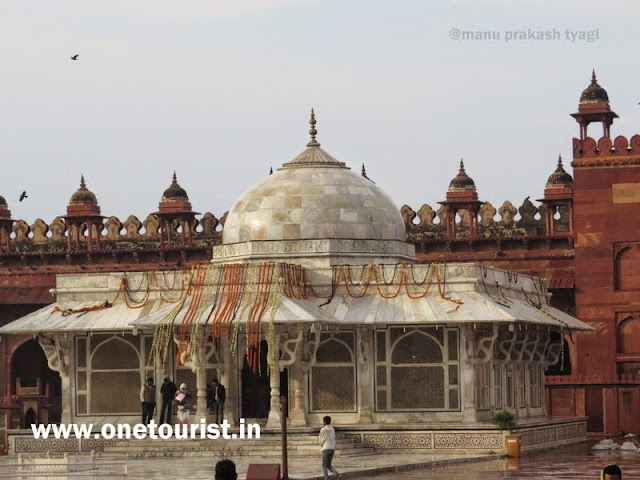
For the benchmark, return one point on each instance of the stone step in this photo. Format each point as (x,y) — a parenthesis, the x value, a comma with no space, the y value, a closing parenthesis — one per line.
(213,446)
(268,445)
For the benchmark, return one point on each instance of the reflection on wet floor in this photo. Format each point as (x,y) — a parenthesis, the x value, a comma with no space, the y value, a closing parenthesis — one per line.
(573,462)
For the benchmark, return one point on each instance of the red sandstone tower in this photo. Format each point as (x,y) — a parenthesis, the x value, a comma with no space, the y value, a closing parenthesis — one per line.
(606,199)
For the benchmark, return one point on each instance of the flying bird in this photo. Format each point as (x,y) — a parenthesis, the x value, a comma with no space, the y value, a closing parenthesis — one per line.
(23,195)
(74,57)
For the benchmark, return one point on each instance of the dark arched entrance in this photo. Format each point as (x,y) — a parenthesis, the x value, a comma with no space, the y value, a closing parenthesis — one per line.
(29,365)
(256,390)
(563,365)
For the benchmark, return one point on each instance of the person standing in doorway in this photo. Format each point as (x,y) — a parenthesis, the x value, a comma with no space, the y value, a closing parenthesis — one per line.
(148,400)
(168,391)
(182,397)
(219,395)
(327,439)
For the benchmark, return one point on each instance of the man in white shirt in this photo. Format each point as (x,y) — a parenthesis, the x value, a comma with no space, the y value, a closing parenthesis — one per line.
(327,439)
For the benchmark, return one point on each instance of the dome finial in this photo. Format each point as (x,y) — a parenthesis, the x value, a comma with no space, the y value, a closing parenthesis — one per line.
(559,160)
(593,76)
(312,131)
(461,166)
(83,186)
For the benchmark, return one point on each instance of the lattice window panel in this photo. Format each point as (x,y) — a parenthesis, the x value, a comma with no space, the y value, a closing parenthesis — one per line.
(115,392)
(497,387)
(417,388)
(333,378)
(115,354)
(333,389)
(416,347)
(82,374)
(333,351)
(535,385)
(483,386)
(114,377)
(510,389)
(419,369)
(81,352)
(521,385)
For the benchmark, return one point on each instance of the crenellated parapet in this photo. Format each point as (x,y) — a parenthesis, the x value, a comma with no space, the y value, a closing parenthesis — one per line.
(505,221)
(604,152)
(114,235)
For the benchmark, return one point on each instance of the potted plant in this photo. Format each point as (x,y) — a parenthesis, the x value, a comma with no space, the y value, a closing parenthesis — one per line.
(506,421)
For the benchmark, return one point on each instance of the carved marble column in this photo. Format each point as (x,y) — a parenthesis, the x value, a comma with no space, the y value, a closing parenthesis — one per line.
(273,421)
(293,350)
(195,359)
(57,349)
(229,378)
(365,353)
(467,374)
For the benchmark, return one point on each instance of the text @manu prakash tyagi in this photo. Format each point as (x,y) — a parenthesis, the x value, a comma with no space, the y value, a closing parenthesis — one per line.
(530,34)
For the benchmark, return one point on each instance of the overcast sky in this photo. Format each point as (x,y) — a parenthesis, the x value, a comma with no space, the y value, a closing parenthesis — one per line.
(220,91)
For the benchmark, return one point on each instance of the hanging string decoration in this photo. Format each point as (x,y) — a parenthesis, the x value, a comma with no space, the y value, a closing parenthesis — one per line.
(390,281)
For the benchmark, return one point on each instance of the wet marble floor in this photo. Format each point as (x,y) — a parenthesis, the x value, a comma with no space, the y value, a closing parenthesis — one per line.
(201,467)
(570,462)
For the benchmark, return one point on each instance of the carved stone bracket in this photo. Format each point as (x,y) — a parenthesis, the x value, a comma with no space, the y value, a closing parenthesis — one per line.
(189,359)
(212,357)
(290,348)
(57,349)
(364,339)
(529,350)
(517,352)
(505,346)
(483,345)
(541,348)
(552,353)
(310,347)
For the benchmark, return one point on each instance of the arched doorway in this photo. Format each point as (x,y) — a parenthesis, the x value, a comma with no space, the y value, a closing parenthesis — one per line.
(256,389)
(29,366)
(563,365)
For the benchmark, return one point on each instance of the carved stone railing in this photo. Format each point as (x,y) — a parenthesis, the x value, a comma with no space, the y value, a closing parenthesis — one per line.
(132,233)
(527,220)
(426,224)
(620,147)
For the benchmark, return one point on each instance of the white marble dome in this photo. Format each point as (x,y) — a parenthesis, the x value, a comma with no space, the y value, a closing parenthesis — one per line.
(314,196)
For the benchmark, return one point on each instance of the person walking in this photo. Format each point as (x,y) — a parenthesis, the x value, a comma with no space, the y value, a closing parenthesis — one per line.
(327,439)
(219,396)
(148,400)
(168,391)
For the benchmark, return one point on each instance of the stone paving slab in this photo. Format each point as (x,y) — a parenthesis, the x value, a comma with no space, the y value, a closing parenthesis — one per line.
(309,468)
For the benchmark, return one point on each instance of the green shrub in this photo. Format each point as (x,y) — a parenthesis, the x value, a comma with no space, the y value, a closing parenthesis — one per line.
(504,420)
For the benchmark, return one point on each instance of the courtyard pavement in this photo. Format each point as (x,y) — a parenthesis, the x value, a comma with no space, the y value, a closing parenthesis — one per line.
(201,467)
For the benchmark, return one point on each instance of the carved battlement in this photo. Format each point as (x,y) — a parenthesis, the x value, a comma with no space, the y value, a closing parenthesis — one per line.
(131,234)
(526,220)
(425,224)
(588,152)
